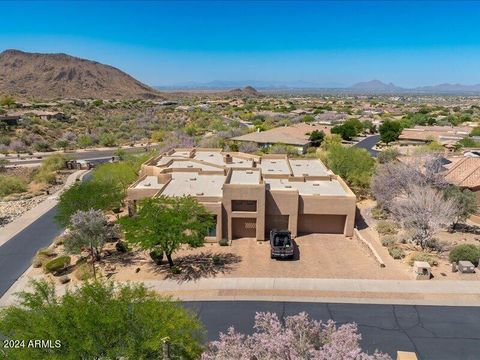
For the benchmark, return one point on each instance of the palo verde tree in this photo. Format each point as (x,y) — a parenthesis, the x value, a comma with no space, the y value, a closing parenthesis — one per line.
(166,223)
(99,320)
(465,200)
(87,195)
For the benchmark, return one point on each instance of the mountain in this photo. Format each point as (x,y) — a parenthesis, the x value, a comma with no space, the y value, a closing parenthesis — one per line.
(449,88)
(247,91)
(375,85)
(51,76)
(258,84)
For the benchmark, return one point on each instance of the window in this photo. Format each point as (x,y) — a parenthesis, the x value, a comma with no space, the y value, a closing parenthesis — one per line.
(213,230)
(244,205)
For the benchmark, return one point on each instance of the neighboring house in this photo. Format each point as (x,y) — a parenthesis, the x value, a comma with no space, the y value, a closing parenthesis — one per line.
(10,120)
(446,135)
(465,173)
(296,135)
(251,195)
(331,117)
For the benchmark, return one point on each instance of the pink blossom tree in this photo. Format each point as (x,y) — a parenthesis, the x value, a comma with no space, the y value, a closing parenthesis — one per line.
(298,338)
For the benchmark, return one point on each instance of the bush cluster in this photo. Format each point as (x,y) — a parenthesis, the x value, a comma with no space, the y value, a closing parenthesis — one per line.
(386,227)
(465,252)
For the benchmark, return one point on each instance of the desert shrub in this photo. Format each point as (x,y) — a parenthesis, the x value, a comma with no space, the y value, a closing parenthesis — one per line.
(157,256)
(84,271)
(36,262)
(465,252)
(223,242)
(54,162)
(121,247)
(64,279)
(432,260)
(59,240)
(389,240)
(378,213)
(396,252)
(437,245)
(45,252)
(386,227)
(45,176)
(217,260)
(58,264)
(11,184)
(175,270)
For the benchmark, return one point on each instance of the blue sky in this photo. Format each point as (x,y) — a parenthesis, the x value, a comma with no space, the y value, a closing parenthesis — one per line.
(161,43)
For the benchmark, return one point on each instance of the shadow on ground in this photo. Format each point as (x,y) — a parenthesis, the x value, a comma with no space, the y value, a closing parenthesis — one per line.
(197,266)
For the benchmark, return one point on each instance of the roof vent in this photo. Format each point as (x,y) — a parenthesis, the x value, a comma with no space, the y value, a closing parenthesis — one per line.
(288,186)
(190,166)
(270,170)
(316,184)
(199,193)
(298,165)
(147,184)
(193,179)
(249,172)
(211,155)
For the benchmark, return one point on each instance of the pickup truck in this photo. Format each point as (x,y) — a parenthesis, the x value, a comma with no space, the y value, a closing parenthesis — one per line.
(281,244)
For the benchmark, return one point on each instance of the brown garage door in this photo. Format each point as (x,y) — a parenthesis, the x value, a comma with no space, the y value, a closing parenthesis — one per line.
(279,222)
(326,224)
(244,228)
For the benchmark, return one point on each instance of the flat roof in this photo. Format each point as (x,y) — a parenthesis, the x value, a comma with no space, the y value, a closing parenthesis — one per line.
(274,166)
(308,167)
(194,184)
(317,187)
(245,177)
(214,157)
(150,182)
(182,164)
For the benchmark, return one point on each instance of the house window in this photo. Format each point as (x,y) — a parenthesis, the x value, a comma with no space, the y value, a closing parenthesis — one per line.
(244,205)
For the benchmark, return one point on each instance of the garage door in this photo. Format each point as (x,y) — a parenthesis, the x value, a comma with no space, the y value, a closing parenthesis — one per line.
(279,222)
(326,224)
(244,228)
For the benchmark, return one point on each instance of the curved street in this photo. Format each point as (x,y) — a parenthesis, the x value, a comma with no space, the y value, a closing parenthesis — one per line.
(433,332)
(368,144)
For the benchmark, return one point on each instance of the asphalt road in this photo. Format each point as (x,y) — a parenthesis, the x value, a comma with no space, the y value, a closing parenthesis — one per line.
(368,144)
(433,332)
(17,253)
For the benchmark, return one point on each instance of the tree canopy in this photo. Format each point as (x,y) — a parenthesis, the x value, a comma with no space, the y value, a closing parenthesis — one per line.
(390,131)
(166,223)
(100,320)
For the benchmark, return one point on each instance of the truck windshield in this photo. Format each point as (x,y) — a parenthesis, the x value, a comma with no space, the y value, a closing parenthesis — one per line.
(281,241)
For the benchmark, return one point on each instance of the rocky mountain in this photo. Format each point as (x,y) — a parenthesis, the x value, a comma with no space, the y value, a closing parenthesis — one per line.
(50,76)
(375,85)
(247,91)
(449,88)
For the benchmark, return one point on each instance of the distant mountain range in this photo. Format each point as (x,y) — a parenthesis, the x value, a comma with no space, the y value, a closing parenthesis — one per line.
(373,86)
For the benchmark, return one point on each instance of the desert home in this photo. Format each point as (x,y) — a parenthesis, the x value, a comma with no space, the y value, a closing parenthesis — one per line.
(250,195)
(445,135)
(297,135)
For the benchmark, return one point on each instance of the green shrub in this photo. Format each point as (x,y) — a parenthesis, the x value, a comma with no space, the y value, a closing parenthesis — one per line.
(465,252)
(45,176)
(217,260)
(54,162)
(45,252)
(386,227)
(12,184)
(389,240)
(175,270)
(84,271)
(121,247)
(157,256)
(432,260)
(58,264)
(378,213)
(223,242)
(396,252)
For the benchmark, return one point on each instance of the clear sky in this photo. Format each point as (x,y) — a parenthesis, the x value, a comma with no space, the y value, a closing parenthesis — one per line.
(162,43)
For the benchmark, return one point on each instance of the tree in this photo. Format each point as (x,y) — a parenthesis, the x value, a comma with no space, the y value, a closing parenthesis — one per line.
(475,131)
(349,129)
(316,137)
(166,223)
(89,230)
(7,101)
(352,164)
(108,140)
(119,174)
(298,337)
(465,200)
(100,320)
(390,131)
(3,164)
(369,126)
(85,196)
(424,211)
(63,144)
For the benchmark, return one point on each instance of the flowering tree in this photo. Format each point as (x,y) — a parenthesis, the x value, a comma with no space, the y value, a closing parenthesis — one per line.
(299,338)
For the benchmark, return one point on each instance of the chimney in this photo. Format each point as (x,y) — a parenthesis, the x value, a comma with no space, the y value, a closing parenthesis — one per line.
(227,159)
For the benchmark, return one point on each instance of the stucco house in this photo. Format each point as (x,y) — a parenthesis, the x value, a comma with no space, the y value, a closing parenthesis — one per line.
(250,195)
